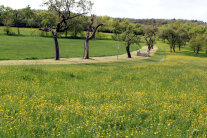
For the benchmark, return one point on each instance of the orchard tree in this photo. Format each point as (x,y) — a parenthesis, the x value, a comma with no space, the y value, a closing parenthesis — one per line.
(197,43)
(91,32)
(130,36)
(117,29)
(176,34)
(169,33)
(205,43)
(77,26)
(182,38)
(205,47)
(195,30)
(197,35)
(161,33)
(23,16)
(47,19)
(150,36)
(28,16)
(2,10)
(64,10)
(108,23)
(17,19)
(7,18)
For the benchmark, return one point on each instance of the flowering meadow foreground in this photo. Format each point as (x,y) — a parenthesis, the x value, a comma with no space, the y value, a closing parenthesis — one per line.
(163,96)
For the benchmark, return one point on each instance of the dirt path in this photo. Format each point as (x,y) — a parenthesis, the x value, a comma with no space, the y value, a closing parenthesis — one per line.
(76,60)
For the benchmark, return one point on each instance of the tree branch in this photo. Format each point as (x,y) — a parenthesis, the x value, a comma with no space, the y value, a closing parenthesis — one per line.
(75,16)
(94,32)
(131,38)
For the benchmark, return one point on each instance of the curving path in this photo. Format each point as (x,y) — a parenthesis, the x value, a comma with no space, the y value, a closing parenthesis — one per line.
(76,60)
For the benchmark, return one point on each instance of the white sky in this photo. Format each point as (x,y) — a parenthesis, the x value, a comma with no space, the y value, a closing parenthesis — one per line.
(139,9)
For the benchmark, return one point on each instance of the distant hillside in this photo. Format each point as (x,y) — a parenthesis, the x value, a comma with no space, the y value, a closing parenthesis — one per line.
(160,22)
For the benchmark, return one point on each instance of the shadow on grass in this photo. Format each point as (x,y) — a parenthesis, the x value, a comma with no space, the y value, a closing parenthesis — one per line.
(4,59)
(13,35)
(188,53)
(32,58)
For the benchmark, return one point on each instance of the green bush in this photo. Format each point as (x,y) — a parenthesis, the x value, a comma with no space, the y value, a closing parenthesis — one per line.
(8,31)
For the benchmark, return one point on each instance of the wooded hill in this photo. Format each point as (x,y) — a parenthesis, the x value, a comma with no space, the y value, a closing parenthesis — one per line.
(28,17)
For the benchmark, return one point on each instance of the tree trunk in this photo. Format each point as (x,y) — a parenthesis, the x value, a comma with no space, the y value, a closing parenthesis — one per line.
(86,49)
(170,49)
(197,51)
(179,47)
(56,47)
(173,48)
(18,30)
(194,50)
(128,51)
(66,34)
(152,46)
(88,37)
(149,49)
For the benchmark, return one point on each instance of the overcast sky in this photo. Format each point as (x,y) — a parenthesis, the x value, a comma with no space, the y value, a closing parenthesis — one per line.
(139,9)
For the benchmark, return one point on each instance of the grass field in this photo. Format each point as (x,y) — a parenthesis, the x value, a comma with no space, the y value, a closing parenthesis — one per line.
(163,96)
(36,47)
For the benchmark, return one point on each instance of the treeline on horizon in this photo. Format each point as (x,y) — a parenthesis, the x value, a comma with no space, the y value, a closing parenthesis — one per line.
(31,18)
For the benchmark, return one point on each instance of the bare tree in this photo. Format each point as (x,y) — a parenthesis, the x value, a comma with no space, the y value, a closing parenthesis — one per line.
(65,10)
(91,32)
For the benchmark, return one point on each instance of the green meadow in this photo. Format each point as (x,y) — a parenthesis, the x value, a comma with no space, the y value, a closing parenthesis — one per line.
(27,46)
(162,96)
(95,69)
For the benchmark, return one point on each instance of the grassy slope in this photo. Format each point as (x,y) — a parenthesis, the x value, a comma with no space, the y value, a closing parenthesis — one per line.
(161,96)
(35,47)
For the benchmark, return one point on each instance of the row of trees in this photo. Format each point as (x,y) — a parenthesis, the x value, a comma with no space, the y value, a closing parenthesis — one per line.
(28,17)
(130,33)
(179,34)
(18,18)
(66,11)
(61,18)
(176,34)
(70,16)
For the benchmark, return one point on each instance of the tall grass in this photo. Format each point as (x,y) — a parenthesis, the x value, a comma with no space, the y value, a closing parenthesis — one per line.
(163,96)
